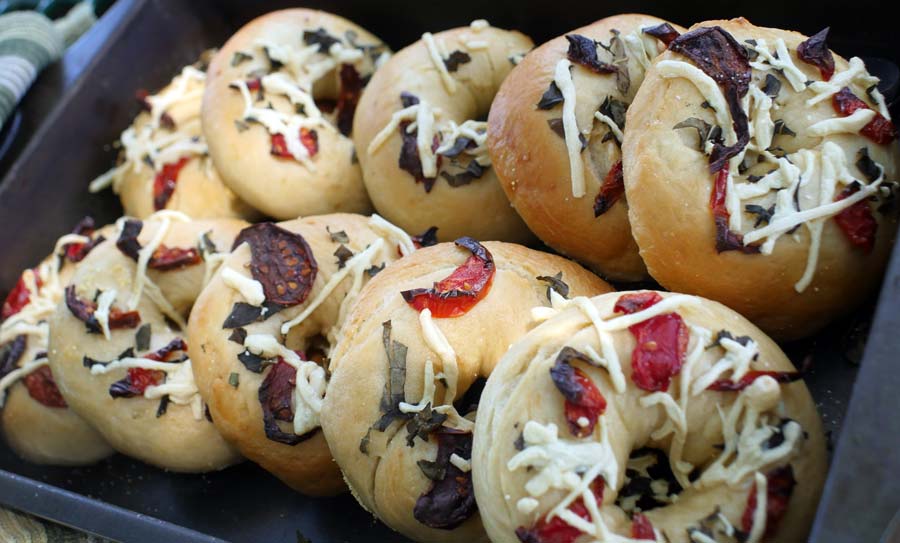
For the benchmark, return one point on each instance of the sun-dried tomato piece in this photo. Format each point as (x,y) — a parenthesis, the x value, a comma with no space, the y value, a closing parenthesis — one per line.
(584,402)
(165,181)
(857,222)
(254,84)
(308,137)
(451,499)
(611,190)
(721,57)
(583,50)
(880,130)
(135,382)
(661,344)
(664,32)
(281,261)
(275,394)
(171,258)
(779,487)
(636,301)
(727,385)
(348,97)
(42,388)
(726,240)
(462,289)
(815,51)
(75,252)
(84,311)
(19,296)
(165,352)
(642,528)
(558,530)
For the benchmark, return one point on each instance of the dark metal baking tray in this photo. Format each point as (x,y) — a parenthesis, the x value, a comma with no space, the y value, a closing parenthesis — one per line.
(142,43)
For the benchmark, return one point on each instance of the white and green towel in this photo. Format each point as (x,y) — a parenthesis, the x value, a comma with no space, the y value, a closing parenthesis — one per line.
(30,41)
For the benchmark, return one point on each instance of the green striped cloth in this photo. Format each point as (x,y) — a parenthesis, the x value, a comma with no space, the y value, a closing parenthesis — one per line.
(25,529)
(30,41)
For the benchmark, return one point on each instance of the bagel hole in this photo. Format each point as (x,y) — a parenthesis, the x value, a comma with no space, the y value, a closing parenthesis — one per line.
(468,402)
(649,482)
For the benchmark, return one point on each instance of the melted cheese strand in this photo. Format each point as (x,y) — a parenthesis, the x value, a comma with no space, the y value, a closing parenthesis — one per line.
(392,233)
(250,289)
(356,264)
(782,62)
(759,514)
(425,133)
(613,127)
(427,392)
(104,302)
(165,217)
(437,342)
(563,79)
(310,382)
(438,61)
(851,124)
(856,71)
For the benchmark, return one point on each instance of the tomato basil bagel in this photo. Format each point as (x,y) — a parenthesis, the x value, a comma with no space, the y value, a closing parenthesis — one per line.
(420,134)
(164,162)
(262,329)
(707,435)
(406,377)
(118,348)
(760,170)
(555,136)
(278,111)
(36,421)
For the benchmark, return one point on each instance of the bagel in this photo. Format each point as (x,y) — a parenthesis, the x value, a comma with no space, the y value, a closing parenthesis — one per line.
(278,110)
(35,419)
(383,376)
(441,87)
(571,198)
(245,365)
(770,213)
(164,162)
(571,444)
(117,344)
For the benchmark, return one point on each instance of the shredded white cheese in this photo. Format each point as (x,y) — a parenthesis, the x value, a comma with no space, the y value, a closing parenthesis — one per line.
(250,289)
(851,124)
(563,79)
(437,58)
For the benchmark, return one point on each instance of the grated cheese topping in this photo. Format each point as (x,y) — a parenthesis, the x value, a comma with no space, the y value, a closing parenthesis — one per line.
(563,79)
(437,54)
(250,289)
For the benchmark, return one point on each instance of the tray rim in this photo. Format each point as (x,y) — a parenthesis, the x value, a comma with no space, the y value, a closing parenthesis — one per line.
(100,518)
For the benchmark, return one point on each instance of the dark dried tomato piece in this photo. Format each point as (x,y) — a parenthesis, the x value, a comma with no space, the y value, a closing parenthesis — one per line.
(879,129)
(275,395)
(308,137)
(857,222)
(558,530)
(19,296)
(642,528)
(611,190)
(721,57)
(84,311)
(172,258)
(451,499)
(320,37)
(128,243)
(815,51)
(254,84)
(10,354)
(661,343)
(348,97)
(583,399)
(779,487)
(42,388)
(726,240)
(426,238)
(462,289)
(75,252)
(664,32)
(281,261)
(410,161)
(636,301)
(727,385)
(165,181)
(583,50)
(163,353)
(135,382)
